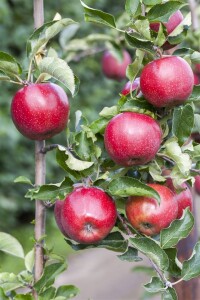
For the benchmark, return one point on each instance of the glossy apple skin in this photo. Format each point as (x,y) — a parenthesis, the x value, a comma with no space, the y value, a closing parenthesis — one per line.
(175,19)
(40,111)
(128,86)
(184,198)
(197,184)
(57,214)
(88,215)
(167,81)
(132,139)
(197,68)
(113,68)
(147,216)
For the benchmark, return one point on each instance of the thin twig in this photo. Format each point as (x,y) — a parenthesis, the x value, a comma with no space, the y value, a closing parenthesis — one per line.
(122,220)
(46,149)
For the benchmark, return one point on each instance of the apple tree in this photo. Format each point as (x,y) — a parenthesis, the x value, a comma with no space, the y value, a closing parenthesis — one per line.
(129,173)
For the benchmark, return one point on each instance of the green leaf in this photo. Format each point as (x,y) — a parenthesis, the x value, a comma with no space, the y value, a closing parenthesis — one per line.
(135,40)
(130,255)
(195,96)
(48,293)
(9,65)
(178,230)
(152,250)
(98,16)
(169,294)
(180,28)
(174,265)
(137,105)
(191,267)
(10,245)
(114,241)
(142,27)
(42,35)
(67,291)
(84,146)
(155,285)
(23,179)
(29,260)
(132,6)
(73,163)
(127,186)
(51,191)
(109,112)
(59,70)
(9,282)
(144,269)
(183,122)
(49,275)
(162,12)
(2,295)
(161,38)
(133,69)
(151,2)
(182,160)
(24,297)
(99,125)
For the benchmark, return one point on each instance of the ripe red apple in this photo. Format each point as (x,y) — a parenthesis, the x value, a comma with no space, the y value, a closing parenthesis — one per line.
(197,68)
(130,86)
(197,184)
(167,81)
(88,215)
(114,68)
(57,214)
(184,198)
(147,216)
(175,19)
(196,79)
(132,138)
(40,111)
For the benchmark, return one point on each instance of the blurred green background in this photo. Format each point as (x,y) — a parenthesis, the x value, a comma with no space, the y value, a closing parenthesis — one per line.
(16,152)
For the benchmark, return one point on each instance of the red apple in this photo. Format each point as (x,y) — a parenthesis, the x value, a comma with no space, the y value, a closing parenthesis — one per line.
(196,79)
(114,68)
(132,138)
(147,216)
(167,81)
(184,198)
(88,215)
(197,68)
(130,86)
(175,19)
(57,214)
(40,111)
(197,184)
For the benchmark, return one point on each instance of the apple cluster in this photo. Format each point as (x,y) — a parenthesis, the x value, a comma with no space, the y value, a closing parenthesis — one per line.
(88,214)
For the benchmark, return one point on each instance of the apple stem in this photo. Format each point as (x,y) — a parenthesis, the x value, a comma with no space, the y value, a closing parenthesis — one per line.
(123,221)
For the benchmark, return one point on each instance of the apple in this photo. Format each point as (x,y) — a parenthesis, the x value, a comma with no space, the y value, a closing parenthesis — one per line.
(132,138)
(196,79)
(167,81)
(114,68)
(88,215)
(183,198)
(131,86)
(197,184)
(40,110)
(57,214)
(197,68)
(149,217)
(175,19)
